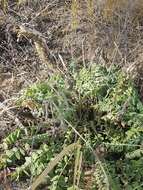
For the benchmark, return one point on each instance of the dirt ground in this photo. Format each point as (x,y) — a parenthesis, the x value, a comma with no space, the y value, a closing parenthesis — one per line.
(71,35)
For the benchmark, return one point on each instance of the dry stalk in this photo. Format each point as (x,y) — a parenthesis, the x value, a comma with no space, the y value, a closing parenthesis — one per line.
(40,44)
(53,163)
(4,5)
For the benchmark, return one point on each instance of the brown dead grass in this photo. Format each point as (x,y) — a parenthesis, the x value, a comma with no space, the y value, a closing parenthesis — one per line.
(105,32)
(112,7)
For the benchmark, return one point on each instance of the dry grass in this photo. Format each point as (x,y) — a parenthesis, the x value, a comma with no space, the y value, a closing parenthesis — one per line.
(113,7)
(101,31)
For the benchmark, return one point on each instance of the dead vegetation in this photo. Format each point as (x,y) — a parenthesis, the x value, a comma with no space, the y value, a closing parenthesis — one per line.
(38,36)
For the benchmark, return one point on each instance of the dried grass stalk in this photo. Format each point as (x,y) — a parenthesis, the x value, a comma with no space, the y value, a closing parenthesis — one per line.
(40,44)
(53,163)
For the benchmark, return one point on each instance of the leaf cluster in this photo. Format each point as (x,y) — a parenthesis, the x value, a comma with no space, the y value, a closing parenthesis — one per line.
(101,108)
